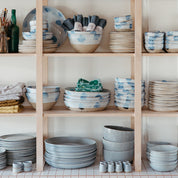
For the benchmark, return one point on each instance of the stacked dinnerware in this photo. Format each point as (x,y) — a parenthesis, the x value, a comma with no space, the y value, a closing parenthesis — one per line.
(86,101)
(149,145)
(125,93)
(163,157)
(172,42)
(70,152)
(29,44)
(3,158)
(163,95)
(123,23)
(50,96)
(118,143)
(19,147)
(154,42)
(122,42)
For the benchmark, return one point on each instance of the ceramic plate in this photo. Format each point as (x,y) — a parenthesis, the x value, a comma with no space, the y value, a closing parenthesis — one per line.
(55,19)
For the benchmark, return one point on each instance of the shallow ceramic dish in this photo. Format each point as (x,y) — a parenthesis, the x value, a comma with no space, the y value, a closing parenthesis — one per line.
(163,149)
(118,155)
(154,34)
(122,18)
(84,42)
(54,18)
(116,146)
(32,36)
(48,89)
(118,134)
(87,98)
(162,168)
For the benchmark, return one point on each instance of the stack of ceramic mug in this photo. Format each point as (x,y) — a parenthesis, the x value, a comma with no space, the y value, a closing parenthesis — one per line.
(154,42)
(172,42)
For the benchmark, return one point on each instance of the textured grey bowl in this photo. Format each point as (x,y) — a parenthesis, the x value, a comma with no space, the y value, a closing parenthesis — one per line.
(118,134)
(118,155)
(116,146)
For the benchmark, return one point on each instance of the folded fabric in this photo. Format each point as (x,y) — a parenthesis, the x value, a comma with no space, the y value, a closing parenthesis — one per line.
(12,89)
(86,86)
(11,109)
(10,97)
(12,102)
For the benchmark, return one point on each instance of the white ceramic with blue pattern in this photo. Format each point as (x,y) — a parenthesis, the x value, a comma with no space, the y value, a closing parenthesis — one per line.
(54,18)
(88,98)
(71,91)
(49,89)
(172,33)
(32,36)
(122,19)
(85,41)
(122,27)
(127,80)
(154,34)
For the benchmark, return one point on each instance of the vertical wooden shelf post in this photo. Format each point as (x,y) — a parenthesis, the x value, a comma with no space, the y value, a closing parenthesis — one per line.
(138,77)
(39,85)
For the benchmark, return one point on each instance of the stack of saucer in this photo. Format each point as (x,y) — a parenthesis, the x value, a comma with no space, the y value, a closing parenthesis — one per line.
(172,42)
(163,96)
(29,44)
(125,93)
(123,23)
(154,42)
(122,42)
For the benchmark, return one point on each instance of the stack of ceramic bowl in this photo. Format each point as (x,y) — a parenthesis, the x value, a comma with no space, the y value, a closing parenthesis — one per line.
(118,143)
(3,159)
(154,42)
(122,42)
(86,101)
(70,152)
(163,95)
(125,93)
(149,145)
(163,157)
(50,96)
(29,44)
(123,23)
(19,147)
(172,42)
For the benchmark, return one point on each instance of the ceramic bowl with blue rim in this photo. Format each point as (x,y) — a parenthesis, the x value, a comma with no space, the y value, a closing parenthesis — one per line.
(84,42)
(88,98)
(54,18)
(91,100)
(123,27)
(48,89)
(122,18)
(154,34)
(32,36)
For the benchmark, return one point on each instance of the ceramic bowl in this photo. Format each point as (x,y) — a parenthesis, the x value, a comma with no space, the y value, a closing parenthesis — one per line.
(118,155)
(49,99)
(163,149)
(118,134)
(154,34)
(162,168)
(32,36)
(84,42)
(122,19)
(116,146)
(48,89)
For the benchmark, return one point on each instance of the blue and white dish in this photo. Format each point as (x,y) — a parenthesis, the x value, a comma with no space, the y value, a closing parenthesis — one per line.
(122,19)
(154,34)
(54,18)
(32,36)
(49,89)
(123,27)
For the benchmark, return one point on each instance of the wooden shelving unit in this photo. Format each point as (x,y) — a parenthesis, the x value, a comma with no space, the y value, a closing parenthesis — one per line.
(136,73)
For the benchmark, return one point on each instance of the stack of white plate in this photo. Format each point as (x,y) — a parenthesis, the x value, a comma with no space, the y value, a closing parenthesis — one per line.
(163,157)
(86,101)
(122,42)
(3,159)
(29,46)
(19,147)
(154,42)
(70,152)
(172,42)
(163,95)
(149,145)
(125,93)
(118,143)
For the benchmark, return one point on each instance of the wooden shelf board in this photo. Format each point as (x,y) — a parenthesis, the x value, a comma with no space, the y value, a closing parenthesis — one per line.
(160,54)
(64,112)
(16,54)
(27,112)
(87,54)
(149,113)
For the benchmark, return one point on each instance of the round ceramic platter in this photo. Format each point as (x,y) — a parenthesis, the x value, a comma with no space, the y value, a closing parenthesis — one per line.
(72,155)
(71,166)
(17,137)
(2,151)
(55,19)
(70,142)
(163,82)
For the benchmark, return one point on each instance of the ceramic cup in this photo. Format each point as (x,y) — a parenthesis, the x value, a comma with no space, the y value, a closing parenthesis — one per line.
(27,166)
(111,166)
(17,167)
(103,166)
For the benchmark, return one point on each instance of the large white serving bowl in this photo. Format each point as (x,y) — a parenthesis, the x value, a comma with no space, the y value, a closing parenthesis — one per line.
(84,42)
(118,133)
(49,99)
(115,146)
(49,89)
(118,155)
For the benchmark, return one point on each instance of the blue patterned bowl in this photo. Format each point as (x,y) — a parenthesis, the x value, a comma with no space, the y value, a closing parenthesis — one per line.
(84,42)
(48,89)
